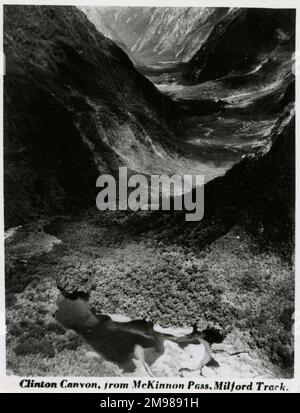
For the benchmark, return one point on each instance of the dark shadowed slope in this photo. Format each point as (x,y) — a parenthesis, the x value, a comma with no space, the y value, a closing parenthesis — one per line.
(74,106)
(242,41)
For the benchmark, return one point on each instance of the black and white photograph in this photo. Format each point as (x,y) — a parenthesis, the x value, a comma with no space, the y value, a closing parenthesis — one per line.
(149,193)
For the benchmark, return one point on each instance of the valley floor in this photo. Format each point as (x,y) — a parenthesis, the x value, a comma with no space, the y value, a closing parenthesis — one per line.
(230,284)
(221,121)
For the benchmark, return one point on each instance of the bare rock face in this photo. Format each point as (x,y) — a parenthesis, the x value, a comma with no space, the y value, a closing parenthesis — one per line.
(243,40)
(74,106)
(156,32)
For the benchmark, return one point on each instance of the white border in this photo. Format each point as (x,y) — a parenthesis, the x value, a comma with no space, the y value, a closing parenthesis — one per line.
(10,383)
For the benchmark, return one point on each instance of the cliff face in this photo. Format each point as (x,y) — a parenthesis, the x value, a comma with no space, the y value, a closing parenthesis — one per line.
(74,106)
(156,32)
(244,40)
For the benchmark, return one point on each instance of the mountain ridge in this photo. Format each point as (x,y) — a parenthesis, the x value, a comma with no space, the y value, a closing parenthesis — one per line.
(56,61)
(152,33)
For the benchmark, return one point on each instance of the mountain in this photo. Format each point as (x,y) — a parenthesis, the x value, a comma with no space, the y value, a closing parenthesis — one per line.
(156,33)
(74,107)
(244,40)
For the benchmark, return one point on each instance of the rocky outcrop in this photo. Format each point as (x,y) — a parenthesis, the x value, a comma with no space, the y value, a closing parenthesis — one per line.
(74,106)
